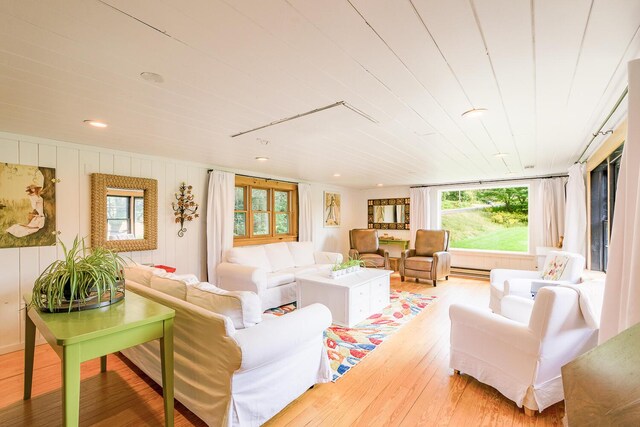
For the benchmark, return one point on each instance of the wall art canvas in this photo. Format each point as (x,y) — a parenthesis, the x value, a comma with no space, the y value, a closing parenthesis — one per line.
(331,209)
(27,206)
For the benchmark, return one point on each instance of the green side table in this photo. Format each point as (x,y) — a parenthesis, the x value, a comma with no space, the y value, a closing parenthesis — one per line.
(79,336)
(403,243)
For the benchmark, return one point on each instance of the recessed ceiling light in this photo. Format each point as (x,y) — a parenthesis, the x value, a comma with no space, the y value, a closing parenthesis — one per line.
(96,123)
(262,158)
(380,185)
(336,174)
(474,112)
(501,155)
(152,77)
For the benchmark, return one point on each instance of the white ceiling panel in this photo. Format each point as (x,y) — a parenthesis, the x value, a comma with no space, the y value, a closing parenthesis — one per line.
(548,73)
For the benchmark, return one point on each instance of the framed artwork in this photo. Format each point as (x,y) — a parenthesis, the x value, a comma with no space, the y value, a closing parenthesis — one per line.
(332,209)
(27,206)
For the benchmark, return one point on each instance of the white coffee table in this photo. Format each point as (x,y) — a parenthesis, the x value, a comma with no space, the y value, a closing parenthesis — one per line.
(351,298)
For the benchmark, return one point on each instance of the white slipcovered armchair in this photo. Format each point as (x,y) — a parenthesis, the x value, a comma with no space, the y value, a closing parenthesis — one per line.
(520,282)
(520,353)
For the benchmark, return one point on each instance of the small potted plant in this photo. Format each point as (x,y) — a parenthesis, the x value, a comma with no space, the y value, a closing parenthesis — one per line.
(81,280)
(350,266)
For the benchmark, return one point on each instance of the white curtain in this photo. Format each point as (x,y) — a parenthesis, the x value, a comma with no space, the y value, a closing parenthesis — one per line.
(305,213)
(220,206)
(621,306)
(547,213)
(419,213)
(575,220)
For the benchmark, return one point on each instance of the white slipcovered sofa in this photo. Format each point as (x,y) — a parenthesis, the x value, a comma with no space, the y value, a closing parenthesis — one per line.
(271,270)
(233,366)
(520,352)
(521,282)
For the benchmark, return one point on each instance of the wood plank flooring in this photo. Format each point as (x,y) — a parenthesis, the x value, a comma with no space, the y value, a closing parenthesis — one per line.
(405,382)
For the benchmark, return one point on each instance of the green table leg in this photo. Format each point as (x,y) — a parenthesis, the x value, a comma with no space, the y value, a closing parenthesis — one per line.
(29,348)
(71,385)
(103,363)
(166,357)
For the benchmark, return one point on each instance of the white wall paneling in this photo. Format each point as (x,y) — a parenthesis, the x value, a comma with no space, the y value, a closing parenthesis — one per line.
(74,164)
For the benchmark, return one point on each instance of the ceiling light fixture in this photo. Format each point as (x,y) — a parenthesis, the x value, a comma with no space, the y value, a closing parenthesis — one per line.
(336,175)
(95,123)
(474,112)
(152,77)
(501,155)
(380,185)
(262,158)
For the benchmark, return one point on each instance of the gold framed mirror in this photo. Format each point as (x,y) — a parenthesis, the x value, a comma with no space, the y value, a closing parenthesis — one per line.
(388,214)
(124,213)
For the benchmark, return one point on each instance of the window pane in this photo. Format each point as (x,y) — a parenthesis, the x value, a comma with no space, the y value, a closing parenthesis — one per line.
(239,198)
(259,199)
(117,207)
(138,214)
(489,219)
(240,224)
(282,223)
(260,224)
(282,201)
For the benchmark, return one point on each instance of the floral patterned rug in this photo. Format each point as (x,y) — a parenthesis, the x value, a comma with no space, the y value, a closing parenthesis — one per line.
(348,346)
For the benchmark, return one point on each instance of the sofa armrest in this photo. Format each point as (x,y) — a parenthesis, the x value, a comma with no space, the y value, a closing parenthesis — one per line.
(272,339)
(516,308)
(237,277)
(499,275)
(327,257)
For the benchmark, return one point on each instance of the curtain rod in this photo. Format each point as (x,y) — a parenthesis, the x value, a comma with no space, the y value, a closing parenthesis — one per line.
(599,131)
(257,177)
(490,181)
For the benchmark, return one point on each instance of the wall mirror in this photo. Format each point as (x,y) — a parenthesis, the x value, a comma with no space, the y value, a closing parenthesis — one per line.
(388,214)
(124,212)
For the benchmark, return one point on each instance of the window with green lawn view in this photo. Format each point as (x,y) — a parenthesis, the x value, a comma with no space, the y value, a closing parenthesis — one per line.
(495,219)
(265,211)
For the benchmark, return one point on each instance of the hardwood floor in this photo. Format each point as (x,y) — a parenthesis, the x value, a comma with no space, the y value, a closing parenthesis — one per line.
(405,382)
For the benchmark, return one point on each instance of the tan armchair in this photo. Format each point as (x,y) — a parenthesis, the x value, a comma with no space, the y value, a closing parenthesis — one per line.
(364,246)
(430,259)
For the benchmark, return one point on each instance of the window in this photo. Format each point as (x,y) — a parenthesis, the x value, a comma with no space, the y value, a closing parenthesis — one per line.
(265,211)
(125,214)
(487,219)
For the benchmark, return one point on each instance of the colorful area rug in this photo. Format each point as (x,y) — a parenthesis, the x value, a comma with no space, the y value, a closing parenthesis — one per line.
(348,346)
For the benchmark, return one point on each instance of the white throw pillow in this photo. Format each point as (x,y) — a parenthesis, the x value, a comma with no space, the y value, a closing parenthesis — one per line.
(303,253)
(253,256)
(555,267)
(279,256)
(142,274)
(174,284)
(242,307)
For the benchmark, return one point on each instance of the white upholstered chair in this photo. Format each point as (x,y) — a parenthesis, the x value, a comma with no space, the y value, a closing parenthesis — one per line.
(521,355)
(519,282)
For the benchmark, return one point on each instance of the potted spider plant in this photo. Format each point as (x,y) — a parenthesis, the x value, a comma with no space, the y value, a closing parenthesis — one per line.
(81,280)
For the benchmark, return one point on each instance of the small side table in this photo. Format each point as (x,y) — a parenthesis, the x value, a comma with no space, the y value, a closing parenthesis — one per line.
(79,336)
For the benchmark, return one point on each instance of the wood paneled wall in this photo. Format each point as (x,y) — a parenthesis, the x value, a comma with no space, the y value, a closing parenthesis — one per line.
(74,164)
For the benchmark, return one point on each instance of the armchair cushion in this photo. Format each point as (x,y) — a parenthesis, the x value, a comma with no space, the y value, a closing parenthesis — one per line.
(242,307)
(365,241)
(372,260)
(430,241)
(419,263)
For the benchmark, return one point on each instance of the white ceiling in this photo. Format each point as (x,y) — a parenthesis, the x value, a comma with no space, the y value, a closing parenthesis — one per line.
(547,71)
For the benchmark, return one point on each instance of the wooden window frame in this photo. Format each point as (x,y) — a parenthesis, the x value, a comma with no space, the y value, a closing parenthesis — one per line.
(271,186)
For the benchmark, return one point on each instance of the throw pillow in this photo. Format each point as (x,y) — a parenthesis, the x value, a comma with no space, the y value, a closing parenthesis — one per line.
(242,307)
(555,267)
(303,253)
